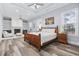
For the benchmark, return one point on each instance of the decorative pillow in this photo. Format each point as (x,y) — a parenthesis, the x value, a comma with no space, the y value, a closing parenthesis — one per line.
(48,30)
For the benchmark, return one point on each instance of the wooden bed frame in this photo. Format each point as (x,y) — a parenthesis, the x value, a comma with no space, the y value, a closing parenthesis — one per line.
(36,39)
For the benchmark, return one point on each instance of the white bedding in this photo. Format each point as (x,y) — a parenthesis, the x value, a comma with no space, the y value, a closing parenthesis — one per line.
(46,35)
(35,33)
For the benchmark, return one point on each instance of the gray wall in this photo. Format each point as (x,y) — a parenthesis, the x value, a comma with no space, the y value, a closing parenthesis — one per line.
(0,27)
(25,25)
(7,25)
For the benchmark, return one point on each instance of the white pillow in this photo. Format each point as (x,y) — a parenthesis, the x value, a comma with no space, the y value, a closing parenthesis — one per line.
(53,30)
(48,30)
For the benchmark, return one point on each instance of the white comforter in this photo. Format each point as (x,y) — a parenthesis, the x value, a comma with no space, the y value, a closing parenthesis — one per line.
(45,37)
(35,33)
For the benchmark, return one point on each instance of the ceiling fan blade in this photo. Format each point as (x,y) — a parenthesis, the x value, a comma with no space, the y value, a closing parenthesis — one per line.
(40,4)
(30,4)
(36,4)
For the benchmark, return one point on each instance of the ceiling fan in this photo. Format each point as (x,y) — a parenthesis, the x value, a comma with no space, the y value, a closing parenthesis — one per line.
(36,5)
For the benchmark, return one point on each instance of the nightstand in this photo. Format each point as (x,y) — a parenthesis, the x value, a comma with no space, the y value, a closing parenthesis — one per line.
(62,37)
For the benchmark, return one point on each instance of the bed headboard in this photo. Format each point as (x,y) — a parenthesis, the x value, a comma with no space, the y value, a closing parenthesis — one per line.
(50,29)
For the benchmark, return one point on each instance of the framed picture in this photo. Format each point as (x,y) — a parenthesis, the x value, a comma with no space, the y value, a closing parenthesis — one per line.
(49,21)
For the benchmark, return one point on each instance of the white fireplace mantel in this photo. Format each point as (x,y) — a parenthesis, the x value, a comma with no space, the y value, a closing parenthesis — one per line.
(16,28)
(16,24)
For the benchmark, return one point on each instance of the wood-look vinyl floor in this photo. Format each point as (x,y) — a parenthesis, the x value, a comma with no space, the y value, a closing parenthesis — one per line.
(18,47)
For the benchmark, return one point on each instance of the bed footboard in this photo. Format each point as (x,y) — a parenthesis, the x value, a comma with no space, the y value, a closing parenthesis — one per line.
(33,39)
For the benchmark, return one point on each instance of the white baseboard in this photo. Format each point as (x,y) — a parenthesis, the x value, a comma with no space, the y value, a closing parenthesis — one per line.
(75,43)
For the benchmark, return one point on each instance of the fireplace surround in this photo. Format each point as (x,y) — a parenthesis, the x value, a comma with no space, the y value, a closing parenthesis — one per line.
(17,31)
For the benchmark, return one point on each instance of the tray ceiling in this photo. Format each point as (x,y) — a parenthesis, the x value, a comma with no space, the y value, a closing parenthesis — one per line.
(23,10)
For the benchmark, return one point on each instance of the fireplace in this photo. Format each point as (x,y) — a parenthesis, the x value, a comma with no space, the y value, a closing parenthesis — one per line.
(17,31)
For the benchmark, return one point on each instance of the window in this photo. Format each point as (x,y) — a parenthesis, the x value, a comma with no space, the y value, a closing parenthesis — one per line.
(70,21)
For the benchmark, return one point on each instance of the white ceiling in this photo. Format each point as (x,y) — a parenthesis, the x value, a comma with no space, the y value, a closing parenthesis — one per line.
(26,12)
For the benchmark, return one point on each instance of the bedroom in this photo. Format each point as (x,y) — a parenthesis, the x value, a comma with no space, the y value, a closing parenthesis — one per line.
(27,29)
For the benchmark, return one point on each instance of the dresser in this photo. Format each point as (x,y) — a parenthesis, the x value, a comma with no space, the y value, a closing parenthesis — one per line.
(62,38)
